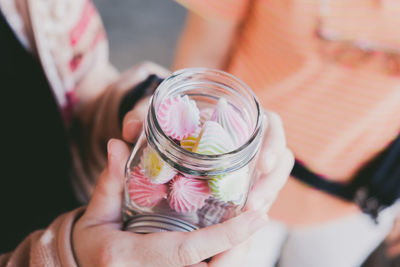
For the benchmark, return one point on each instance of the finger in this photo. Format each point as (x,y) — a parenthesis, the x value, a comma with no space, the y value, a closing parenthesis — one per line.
(268,186)
(204,243)
(133,121)
(234,257)
(274,143)
(105,204)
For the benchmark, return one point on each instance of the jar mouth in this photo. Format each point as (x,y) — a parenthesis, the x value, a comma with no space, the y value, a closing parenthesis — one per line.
(151,223)
(176,155)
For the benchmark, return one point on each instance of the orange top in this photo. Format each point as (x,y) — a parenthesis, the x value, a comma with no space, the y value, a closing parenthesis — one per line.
(336,116)
(339,94)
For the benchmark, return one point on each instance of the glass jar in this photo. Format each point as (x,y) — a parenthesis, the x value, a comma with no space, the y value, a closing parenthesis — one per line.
(183,183)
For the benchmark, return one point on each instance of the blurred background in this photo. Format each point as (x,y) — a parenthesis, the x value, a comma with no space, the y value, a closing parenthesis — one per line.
(148,30)
(141,30)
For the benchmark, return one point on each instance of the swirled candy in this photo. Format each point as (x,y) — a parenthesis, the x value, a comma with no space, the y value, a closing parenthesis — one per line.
(187,194)
(178,117)
(232,122)
(142,191)
(213,140)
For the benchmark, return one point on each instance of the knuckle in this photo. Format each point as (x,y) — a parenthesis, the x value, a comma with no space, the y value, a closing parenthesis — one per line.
(187,254)
(106,255)
(230,236)
(111,254)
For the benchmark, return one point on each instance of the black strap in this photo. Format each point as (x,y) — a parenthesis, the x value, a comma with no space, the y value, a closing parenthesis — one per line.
(375,186)
(307,176)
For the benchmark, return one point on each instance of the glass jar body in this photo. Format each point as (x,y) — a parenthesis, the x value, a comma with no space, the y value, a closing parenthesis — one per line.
(170,188)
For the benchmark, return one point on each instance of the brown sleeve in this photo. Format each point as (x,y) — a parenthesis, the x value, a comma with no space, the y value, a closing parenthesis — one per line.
(96,121)
(49,247)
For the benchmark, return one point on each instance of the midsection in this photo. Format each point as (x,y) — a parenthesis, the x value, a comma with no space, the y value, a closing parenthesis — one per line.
(339,106)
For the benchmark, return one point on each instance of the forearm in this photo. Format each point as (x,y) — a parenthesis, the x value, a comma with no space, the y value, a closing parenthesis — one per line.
(205,43)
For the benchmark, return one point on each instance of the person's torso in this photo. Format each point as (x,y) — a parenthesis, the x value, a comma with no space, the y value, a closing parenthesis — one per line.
(338,94)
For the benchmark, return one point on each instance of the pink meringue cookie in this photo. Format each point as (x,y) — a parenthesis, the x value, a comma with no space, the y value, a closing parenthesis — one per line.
(178,117)
(232,122)
(142,191)
(213,140)
(187,194)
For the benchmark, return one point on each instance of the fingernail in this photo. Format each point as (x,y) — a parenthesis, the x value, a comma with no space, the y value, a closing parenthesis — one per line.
(114,148)
(132,122)
(259,220)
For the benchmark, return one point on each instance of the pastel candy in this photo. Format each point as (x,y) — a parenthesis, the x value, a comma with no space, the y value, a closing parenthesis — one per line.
(142,191)
(187,194)
(213,140)
(189,142)
(232,122)
(230,187)
(215,211)
(157,170)
(178,117)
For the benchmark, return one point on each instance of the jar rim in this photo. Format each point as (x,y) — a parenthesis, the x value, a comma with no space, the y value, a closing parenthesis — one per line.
(173,146)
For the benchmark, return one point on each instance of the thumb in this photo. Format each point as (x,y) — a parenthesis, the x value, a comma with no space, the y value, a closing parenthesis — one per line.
(106,202)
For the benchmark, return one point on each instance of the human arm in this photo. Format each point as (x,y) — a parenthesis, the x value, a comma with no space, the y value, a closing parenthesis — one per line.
(208,36)
(204,43)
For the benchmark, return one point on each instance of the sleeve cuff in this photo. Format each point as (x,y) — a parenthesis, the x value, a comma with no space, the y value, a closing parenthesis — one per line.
(64,240)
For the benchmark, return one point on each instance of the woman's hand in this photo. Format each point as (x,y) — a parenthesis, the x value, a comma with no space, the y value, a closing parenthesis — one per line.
(274,166)
(99,241)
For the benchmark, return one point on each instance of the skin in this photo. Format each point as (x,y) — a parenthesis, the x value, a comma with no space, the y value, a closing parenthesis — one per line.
(98,239)
(204,43)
